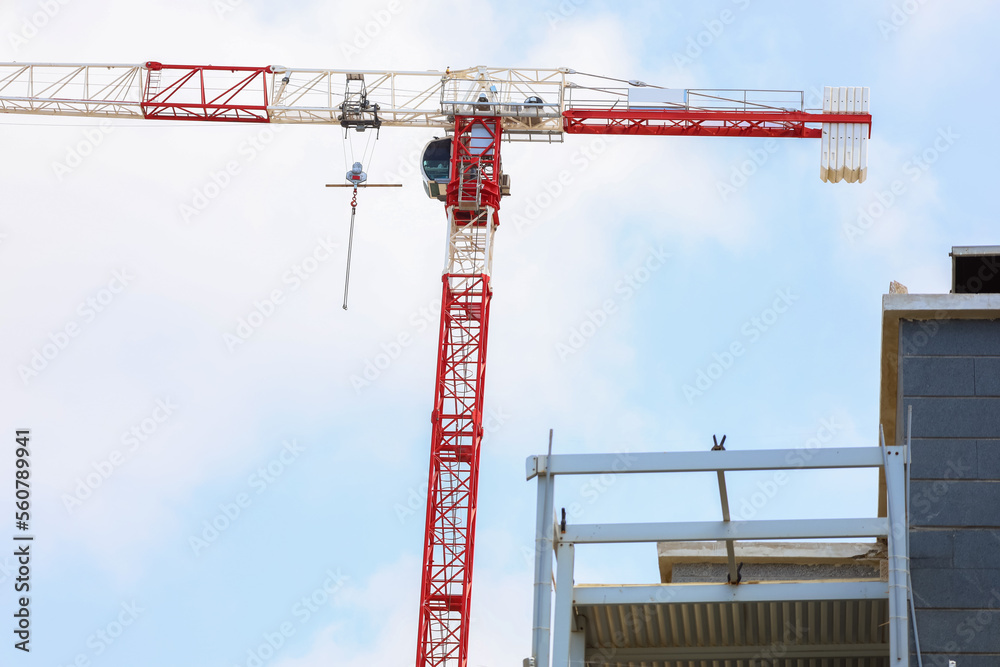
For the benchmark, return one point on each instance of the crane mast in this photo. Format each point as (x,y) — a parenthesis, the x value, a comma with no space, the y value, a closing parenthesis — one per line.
(478,108)
(457,418)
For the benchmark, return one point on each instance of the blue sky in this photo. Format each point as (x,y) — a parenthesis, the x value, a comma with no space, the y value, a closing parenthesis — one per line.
(338,519)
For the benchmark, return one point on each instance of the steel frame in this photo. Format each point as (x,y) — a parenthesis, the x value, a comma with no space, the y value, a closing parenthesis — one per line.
(567,642)
(190,96)
(405,98)
(715,593)
(100,91)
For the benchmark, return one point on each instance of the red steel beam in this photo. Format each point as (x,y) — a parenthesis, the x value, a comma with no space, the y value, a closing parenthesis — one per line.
(196,95)
(704,123)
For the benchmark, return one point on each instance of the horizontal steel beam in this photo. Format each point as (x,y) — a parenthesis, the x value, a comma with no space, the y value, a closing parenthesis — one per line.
(705,461)
(718,593)
(698,531)
(777,651)
(716,115)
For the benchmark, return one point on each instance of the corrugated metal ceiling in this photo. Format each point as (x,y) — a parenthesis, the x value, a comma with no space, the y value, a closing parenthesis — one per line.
(842,633)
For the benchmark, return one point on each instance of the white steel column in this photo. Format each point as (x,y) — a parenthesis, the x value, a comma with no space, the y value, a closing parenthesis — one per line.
(469,248)
(577,648)
(542,613)
(563,625)
(895,483)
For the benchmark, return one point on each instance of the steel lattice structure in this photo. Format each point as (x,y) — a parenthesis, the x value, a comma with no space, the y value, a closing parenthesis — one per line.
(457,418)
(478,107)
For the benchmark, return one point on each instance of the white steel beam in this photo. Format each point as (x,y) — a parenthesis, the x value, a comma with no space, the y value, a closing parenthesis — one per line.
(760,459)
(705,531)
(704,593)
(697,654)
(424,99)
(101,91)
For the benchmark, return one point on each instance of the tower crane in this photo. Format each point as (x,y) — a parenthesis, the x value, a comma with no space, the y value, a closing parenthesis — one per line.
(478,108)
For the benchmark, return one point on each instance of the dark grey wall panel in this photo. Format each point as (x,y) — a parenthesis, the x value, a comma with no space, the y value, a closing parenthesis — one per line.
(941,660)
(932,549)
(961,503)
(939,376)
(977,549)
(988,459)
(956,632)
(988,376)
(954,417)
(935,458)
(956,589)
(968,338)
(949,371)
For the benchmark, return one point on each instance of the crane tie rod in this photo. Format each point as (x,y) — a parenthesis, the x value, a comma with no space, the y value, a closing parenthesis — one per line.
(354,210)
(350,245)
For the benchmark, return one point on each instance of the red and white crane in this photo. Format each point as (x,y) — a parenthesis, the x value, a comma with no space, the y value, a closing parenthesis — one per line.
(478,108)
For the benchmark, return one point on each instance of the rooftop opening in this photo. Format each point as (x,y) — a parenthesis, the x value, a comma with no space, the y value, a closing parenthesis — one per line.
(975,269)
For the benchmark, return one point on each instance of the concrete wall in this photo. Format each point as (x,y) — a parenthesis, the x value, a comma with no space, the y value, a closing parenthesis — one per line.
(950,374)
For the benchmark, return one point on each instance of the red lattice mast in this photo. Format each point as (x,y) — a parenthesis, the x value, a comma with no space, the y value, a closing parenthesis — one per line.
(449,535)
